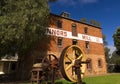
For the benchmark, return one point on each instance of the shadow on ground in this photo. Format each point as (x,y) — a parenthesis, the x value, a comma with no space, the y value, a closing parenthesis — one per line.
(9,79)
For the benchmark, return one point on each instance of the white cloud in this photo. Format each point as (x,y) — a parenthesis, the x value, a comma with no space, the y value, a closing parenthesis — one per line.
(112,49)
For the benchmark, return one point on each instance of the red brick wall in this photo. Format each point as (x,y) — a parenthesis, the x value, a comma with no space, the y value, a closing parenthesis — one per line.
(93,31)
(96,50)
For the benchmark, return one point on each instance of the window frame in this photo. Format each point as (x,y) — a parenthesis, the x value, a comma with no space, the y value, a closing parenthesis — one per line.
(74,42)
(60,42)
(100,63)
(89,64)
(59,24)
(74,30)
(86,30)
(87,44)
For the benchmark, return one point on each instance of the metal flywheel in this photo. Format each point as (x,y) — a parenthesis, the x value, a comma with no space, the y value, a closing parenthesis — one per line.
(69,56)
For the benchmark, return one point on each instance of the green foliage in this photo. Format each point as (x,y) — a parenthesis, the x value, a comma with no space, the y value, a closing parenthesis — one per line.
(107,50)
(115,59)
(104,40)
(84,20)
(116,38)
(22,24)
(95,23)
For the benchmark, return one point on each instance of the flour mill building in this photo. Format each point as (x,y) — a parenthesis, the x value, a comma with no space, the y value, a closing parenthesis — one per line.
(65,31)
(62,32)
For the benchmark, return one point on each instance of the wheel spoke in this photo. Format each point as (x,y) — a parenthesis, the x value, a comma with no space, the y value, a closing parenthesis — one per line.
(73,75)
(74,54)
(80,56)
(68,67)
(68,62)
(69,57)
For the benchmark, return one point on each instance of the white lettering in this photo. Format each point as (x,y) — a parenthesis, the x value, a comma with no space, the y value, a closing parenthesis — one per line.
(56,32)
(68,34)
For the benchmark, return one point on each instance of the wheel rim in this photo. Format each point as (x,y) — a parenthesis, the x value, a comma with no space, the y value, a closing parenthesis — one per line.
(67,61)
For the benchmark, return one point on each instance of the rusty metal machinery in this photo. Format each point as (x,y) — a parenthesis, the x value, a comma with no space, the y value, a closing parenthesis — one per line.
(42,71)
(53,63)
(72,65)
(72,62)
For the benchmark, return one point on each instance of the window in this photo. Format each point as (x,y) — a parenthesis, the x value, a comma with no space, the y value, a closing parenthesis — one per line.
(59,41)
(13,66)
(74,42)
(89,64)
(100,63)
(74,30)
(59,24)
(86,30)
(87,45)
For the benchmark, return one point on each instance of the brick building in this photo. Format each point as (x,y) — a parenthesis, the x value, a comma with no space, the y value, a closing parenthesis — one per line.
(65,31)
(62,32)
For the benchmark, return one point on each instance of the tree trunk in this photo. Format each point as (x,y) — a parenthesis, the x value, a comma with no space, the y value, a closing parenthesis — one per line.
(24,67)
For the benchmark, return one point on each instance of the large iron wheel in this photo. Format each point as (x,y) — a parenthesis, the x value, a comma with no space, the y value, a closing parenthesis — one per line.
(52,66)
(67,62)
(51,61)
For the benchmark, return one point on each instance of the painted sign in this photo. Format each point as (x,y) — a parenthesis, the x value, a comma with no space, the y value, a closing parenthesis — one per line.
(68,34)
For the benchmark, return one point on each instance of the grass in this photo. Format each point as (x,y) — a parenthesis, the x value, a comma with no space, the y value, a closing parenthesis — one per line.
(108,79)
(59,82)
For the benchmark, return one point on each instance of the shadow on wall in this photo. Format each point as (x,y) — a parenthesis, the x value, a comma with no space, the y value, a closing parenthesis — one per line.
(36,56)
(41,49)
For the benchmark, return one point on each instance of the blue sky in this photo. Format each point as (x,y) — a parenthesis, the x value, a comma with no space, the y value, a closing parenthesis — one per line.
(107,12)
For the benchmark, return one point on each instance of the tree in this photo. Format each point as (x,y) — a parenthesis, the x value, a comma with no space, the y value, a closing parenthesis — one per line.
(115,61)
(22,24)
(116,37)
(116,54)
(107,55)
(106,49)
(84,20)
(95,23)
(104,40)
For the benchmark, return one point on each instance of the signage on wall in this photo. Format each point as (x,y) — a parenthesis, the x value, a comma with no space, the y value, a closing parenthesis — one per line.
(68,34)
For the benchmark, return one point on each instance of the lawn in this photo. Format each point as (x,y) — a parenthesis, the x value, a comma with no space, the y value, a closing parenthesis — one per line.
(107,79)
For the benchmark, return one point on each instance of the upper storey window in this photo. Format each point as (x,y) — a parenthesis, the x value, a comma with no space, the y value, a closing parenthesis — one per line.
(86,30)
(59,24)
(74,30)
